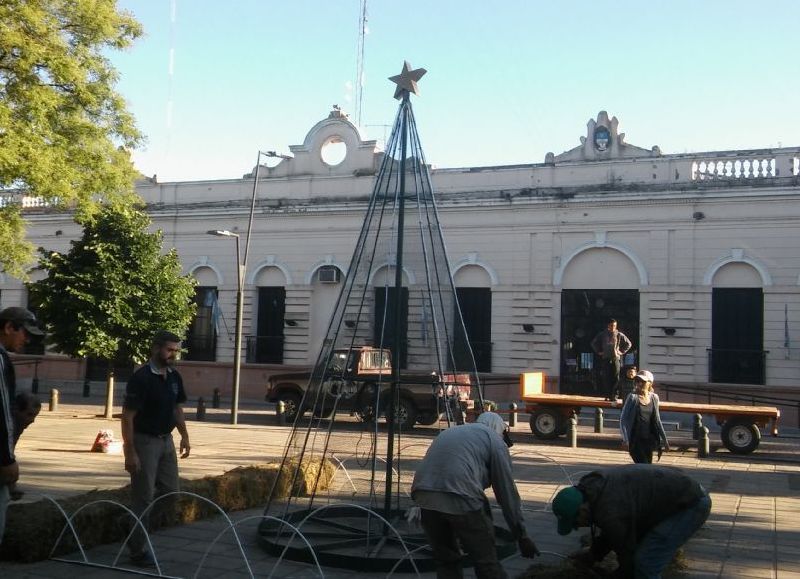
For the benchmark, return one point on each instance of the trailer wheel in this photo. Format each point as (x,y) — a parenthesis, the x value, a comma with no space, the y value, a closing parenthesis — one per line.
(740,435)
(547,423)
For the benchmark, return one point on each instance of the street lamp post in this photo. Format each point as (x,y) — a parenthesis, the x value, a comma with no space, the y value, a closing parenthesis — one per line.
(241,269)
(237,341)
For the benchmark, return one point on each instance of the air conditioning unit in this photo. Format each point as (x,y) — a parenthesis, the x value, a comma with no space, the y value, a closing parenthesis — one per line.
(329,274)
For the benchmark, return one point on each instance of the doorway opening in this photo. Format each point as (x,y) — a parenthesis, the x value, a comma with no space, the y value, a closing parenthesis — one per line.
(476,311)
(584,313)
(737,353)
(267,347)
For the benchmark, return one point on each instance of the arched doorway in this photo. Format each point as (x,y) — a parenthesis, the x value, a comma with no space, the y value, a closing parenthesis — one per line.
(598,283)
(266,347)
(201,338)
(473,289)
(385,320)
(737,326)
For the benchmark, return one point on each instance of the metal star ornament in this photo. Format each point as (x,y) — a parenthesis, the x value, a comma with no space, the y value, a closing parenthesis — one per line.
(406,81)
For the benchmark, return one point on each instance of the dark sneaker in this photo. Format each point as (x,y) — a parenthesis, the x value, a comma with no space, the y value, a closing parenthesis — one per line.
(143,559)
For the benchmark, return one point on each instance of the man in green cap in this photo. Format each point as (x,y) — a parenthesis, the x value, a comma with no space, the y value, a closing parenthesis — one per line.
(644,512)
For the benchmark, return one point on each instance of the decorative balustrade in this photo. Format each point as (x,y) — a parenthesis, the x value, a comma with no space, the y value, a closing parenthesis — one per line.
(738,168)
(26,201)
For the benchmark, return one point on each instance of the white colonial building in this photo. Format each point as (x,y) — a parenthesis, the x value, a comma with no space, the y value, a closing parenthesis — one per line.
(696,255)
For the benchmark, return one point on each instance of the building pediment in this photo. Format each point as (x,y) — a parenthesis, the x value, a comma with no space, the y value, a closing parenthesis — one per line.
(603,142)
(333,147)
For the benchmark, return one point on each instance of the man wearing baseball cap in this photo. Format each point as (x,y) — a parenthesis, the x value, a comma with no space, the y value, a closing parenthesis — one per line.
(17,325)
(449,487)
(644,512)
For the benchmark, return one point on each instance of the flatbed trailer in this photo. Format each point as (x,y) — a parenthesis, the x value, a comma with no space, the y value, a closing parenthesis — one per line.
(550,414)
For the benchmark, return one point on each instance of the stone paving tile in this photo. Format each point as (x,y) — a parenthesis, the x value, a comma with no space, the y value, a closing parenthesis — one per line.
(750,533)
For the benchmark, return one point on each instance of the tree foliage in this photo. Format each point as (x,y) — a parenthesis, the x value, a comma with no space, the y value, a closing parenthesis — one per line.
(113,290)
(64,131)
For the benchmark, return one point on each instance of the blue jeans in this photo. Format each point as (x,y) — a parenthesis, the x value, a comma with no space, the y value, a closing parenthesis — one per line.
(658,547)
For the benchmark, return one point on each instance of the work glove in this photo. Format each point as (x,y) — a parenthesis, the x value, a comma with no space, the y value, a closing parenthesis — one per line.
(414,517)
(527,547)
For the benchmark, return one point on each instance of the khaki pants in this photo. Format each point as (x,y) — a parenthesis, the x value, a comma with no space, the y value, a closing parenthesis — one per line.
(158,474)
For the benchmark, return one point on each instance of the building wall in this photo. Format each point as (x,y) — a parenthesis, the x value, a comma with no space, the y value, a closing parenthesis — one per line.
(672,227)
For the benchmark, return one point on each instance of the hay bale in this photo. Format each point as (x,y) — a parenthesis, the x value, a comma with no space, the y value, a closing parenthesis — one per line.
(33,528)
(309,476)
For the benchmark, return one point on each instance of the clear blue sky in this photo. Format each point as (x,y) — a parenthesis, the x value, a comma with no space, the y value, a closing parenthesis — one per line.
(507,81)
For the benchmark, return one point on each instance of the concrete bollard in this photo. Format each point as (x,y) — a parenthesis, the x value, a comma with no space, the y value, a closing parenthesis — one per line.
(512,415)
(598,420)
(53,400)
(573,431)
(201,408)
(280,412)
(86,388)
(697,424)
(215,398)
(703,445)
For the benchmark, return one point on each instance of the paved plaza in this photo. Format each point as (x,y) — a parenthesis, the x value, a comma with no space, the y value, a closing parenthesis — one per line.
(752,530)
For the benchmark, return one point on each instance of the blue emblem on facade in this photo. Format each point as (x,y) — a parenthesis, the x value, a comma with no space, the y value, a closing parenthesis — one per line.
(602,138)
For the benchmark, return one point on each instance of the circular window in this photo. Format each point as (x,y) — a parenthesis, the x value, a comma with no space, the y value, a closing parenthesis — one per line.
(333,151)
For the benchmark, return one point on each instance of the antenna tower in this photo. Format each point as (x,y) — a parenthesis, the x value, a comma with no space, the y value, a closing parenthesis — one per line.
(362,32)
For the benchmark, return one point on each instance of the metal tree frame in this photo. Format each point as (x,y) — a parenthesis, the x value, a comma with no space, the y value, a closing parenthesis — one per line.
(400,255)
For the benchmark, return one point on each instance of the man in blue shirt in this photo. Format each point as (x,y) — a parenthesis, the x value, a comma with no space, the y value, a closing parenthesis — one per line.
(152,409)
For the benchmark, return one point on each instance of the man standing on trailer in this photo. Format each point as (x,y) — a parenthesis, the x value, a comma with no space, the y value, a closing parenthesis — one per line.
(610,345)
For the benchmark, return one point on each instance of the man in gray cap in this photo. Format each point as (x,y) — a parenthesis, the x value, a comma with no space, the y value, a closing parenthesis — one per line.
(17,325)
(449,487)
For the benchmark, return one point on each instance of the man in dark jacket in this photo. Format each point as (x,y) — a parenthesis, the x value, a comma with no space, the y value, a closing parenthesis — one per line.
(644,512)
(17,325)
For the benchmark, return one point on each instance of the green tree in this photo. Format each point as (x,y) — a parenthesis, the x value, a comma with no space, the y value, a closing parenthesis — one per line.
(113,290)
(64,131)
